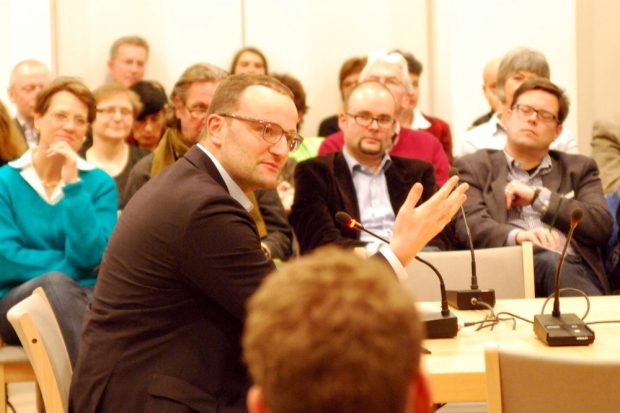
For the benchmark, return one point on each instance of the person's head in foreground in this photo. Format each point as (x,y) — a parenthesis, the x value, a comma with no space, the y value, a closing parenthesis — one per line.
(333,333)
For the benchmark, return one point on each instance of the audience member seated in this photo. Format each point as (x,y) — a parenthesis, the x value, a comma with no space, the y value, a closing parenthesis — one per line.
(11,145)
(150,124)
(412,116)
(116,108)
(56,213)
(128,57)
(528,192)
(391,70)
(333,333)
(606,151)
(489,82)
(361,179)
(191,97)
(249,60)
(347,79)
(516,66)
(28,77)
(308,148)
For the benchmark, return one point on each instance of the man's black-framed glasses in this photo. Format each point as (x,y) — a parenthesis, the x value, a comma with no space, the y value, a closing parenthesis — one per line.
(365,119)
(271,132)
(526,111)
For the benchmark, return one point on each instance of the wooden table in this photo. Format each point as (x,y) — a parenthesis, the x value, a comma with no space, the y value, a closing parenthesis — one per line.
(455,366)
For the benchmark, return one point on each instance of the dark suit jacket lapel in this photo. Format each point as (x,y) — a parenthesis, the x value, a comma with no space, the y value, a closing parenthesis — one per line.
(202,161)
(553,180)
(344,184)
(499,172)
(398,184)
(21,131)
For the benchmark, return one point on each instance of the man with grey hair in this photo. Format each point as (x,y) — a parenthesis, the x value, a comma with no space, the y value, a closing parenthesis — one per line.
(391,70)
(27,78)
(517,66)
(128,57)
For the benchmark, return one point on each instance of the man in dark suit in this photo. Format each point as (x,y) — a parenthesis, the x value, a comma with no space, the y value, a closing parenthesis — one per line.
(163,331)
(527,193)
(361,179)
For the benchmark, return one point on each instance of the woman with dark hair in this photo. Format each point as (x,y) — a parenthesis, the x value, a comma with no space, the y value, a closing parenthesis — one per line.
(249,60)
(56,213)
(11,146)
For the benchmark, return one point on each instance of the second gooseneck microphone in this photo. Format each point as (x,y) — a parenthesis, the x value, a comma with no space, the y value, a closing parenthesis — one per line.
(443,325)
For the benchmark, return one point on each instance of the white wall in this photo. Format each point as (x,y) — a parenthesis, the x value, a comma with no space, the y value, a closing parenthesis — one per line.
(467,34)
(311,38)
(25,33)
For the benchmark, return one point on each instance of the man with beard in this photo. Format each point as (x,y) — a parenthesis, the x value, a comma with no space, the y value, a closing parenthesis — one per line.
(361,179)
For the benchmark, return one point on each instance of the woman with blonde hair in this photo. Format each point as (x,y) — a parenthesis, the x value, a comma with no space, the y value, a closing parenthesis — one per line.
(56,213)
(117,108)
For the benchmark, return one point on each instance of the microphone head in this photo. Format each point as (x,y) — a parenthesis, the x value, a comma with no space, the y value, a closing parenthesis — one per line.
(576,215)
(453,171)
(345,219)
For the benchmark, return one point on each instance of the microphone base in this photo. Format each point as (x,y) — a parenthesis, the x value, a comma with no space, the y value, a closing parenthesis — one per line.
(565,330)
(461,299)
(439,326)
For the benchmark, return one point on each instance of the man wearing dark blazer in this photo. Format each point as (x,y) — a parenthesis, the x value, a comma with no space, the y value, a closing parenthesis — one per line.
(163,331)
(361,180)
(528,193)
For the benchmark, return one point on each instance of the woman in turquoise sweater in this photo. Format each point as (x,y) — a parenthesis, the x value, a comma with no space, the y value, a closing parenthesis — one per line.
(56,213)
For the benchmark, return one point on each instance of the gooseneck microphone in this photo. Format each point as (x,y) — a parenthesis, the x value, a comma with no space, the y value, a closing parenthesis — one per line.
(464,299)
(560,329)
(443,325)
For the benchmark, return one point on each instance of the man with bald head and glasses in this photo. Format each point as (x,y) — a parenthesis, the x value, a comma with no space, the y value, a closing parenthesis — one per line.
(163,333)
(527,192)
(362,179)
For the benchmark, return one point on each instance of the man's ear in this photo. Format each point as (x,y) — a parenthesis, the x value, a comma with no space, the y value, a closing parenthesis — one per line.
(214,125)
(178,106)
(559,131)
(420,394)
(255,400)
(342,120)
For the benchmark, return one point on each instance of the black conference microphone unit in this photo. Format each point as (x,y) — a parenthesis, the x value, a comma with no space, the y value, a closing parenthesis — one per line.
(438,325)
(463,299)
(563,329)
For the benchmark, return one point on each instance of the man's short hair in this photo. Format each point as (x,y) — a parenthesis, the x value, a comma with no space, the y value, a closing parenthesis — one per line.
(131,40)
(520,59)
(199,72)
(28,62)
(332,333)
(228,93)
(413,65)
(393,59)
(364,84)
(545,85)
(113,89)
(67,84)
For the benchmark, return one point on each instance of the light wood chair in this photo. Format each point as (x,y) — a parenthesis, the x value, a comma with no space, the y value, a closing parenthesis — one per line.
(508,270)
(535,381)
(37,328)
(14,368)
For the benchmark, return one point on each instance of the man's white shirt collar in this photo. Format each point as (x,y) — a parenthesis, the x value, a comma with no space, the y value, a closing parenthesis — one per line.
(233,189)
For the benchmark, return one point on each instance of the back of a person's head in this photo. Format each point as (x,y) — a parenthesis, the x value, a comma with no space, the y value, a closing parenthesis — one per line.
(520,59)
(332,333)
